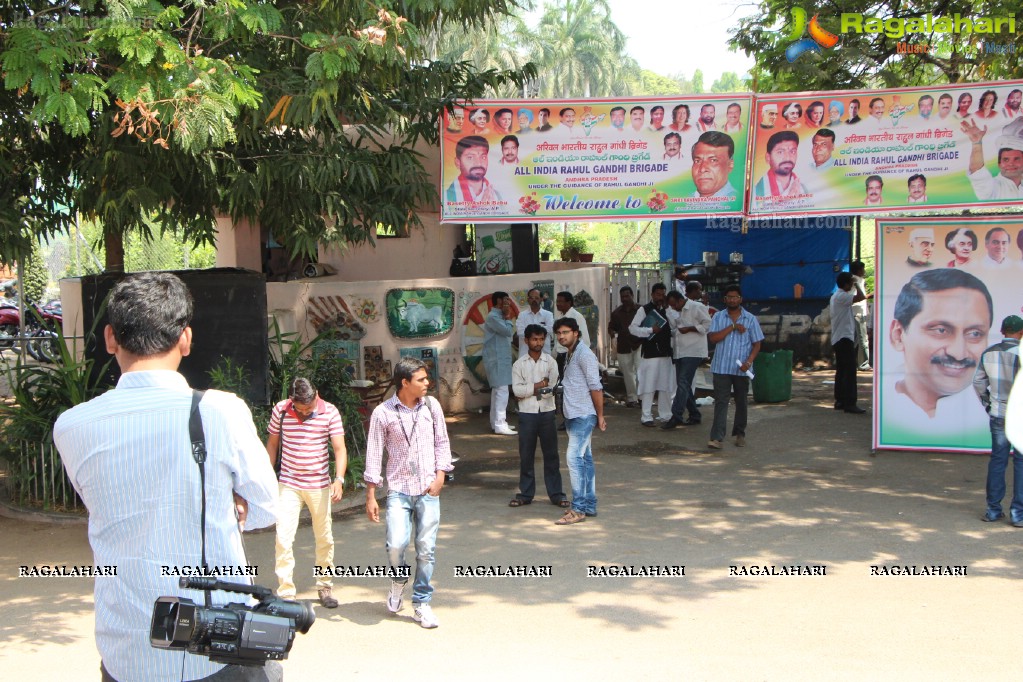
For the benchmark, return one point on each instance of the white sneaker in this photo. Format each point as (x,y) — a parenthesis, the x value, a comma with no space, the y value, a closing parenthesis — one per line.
(505,430)
(424,616)
(394,600)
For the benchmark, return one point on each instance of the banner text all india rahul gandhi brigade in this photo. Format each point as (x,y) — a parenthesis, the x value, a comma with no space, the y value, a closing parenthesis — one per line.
(531,160)
(910,150)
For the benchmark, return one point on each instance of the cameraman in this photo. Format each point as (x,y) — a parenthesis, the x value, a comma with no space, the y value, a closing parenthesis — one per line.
(128,454)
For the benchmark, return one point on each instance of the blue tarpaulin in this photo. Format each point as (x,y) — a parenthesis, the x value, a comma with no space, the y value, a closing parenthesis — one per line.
(781,252)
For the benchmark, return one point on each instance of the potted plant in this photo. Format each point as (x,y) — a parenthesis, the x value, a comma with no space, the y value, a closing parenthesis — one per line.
(574,246)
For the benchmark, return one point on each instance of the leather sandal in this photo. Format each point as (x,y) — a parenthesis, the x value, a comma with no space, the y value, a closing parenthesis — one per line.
(519,502)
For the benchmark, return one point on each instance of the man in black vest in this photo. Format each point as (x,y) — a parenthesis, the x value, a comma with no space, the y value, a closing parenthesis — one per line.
(656,374)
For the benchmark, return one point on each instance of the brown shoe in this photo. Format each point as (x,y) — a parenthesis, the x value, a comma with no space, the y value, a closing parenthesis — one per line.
(740,441)
(571,516)
(326,600)
(716,444)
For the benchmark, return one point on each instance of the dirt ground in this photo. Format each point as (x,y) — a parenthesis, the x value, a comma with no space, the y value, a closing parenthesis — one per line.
(806,491)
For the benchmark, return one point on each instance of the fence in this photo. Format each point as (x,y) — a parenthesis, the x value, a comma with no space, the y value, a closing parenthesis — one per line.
(35,478)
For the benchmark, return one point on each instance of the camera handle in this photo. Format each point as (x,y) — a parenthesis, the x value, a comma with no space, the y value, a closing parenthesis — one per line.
(198,438)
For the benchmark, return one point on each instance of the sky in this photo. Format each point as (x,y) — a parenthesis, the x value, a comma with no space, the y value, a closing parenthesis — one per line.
(667,39)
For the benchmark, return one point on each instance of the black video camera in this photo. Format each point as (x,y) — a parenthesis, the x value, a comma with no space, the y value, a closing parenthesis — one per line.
(235,634)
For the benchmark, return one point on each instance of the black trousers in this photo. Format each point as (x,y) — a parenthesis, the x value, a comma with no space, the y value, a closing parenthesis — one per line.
(531,427)
(845,372)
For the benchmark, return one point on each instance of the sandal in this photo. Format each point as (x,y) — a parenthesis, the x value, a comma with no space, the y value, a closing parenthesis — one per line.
(571,516)
(564,504)
(519,502)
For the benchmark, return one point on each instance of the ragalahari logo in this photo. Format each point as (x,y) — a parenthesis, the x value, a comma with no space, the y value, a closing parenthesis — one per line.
(819,37)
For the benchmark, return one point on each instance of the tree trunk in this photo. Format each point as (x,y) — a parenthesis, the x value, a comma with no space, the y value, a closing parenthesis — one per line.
(114,247)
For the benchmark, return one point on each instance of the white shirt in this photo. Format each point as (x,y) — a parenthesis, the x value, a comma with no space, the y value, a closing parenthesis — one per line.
(987,186)
(128,454)
(690,344)
(990,262)
(860,308)
(544,318)
(584,333)
(1014,414)
(959,419)
(526,372)
(842,324)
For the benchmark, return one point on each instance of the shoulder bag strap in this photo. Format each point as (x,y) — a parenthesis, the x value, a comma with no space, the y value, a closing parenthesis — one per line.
(198,440)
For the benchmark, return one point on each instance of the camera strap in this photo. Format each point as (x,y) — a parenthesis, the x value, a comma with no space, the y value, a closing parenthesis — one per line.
(198,438)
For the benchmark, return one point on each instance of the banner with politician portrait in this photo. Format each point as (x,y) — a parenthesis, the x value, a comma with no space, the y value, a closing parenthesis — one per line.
(944,287)
(910,149)
(534,160)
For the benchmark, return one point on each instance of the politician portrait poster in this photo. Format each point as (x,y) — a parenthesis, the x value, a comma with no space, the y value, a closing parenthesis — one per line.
(944,285)
(626,159)
(870,152)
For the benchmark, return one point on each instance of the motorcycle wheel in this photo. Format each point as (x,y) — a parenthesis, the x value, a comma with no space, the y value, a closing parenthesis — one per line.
(44,349)
(8,334)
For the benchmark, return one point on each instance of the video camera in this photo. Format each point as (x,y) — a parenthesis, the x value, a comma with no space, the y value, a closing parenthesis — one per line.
(235,634)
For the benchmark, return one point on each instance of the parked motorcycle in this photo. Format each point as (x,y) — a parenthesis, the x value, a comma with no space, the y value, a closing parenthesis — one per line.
(9,323)
(44,338)
(41,325)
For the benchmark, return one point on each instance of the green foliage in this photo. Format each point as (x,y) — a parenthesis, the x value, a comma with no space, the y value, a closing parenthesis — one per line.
(144,115)
(291,357)
(631,242)
(40,394)
(729,82)
(870,60)
(35,277)
(654,84)
(575,243)
(582,51)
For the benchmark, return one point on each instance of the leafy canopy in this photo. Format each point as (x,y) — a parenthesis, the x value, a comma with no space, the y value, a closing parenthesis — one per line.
(300,116)
(871,60)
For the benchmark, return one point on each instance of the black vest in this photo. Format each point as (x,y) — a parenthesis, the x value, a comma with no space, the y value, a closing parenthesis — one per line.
(657,345)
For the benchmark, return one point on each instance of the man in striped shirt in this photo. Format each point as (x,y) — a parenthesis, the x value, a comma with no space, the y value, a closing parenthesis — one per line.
(993,381)
(737,334)
(128,454)
(299,430)
(410,426)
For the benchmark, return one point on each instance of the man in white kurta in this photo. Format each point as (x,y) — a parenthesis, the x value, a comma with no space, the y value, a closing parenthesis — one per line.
(656,372)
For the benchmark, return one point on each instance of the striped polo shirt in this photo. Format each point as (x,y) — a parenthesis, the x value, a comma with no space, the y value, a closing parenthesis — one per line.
(735,347)
(305,462)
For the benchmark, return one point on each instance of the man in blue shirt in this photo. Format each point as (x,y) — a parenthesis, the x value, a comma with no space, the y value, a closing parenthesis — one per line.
(498,330)
(737,334)
(583,405)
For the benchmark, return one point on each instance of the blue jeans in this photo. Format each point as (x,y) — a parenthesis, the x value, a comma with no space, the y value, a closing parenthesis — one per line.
(685,398)
(1001,448)
(425,510)
(580,463)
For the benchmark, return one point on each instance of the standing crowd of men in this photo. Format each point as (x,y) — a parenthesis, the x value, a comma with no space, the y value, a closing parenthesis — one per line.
(133,461)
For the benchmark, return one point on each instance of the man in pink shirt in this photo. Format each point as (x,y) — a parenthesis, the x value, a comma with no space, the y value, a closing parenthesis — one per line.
(411,427)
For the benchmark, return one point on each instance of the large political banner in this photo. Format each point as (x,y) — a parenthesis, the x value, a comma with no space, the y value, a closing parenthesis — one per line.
(533,160)
(944,286)
(909,149)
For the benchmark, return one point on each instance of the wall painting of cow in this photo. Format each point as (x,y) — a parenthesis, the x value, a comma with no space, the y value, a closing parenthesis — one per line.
(420,313)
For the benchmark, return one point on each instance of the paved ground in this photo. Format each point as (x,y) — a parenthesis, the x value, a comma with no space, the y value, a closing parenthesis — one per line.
(805,491)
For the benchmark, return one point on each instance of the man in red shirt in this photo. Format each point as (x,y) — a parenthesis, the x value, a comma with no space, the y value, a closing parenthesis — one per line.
(306,423)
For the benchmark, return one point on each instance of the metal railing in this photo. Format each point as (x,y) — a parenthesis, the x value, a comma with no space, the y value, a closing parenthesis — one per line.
(36,479)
